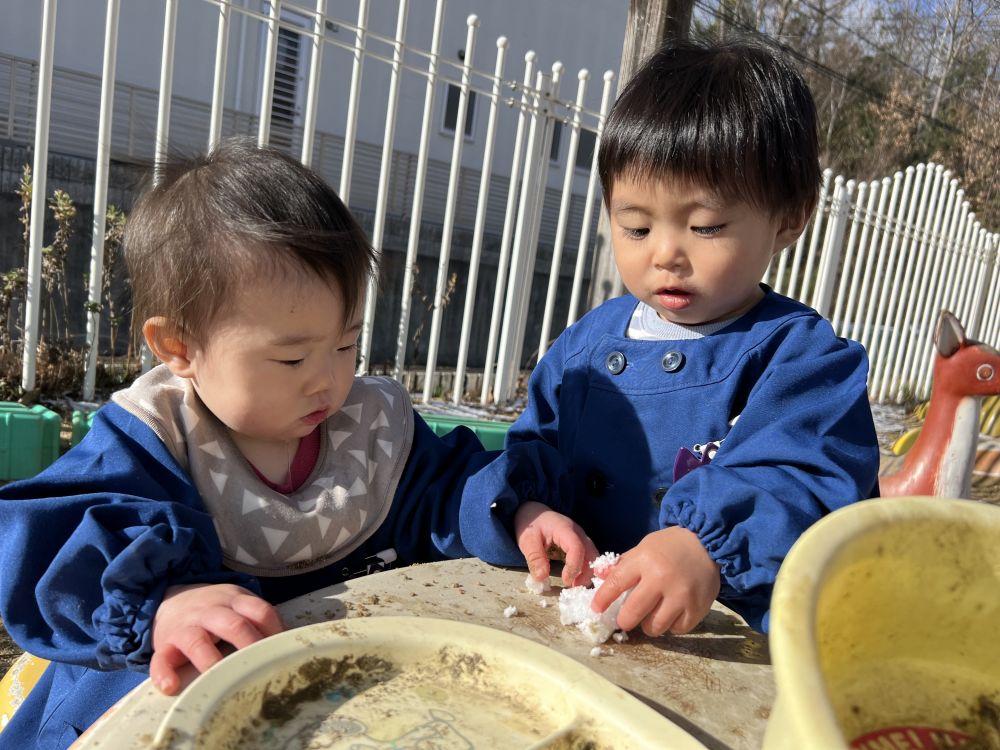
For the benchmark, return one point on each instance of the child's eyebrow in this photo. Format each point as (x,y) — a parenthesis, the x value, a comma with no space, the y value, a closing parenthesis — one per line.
(296,339)
(621,208)
(711,202)
(293,340)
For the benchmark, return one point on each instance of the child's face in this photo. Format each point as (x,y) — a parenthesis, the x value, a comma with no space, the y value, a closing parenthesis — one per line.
(277,362)
(692,257)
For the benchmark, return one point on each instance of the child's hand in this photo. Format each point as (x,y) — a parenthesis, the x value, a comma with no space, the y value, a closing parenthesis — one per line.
(537,528)
(675,583)
(192,619)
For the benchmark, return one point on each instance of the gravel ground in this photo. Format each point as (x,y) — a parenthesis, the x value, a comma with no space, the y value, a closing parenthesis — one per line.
(8,650)
(890,422)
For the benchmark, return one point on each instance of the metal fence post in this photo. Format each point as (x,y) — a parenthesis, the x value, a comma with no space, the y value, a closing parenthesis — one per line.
(100,200)
(526,237)
(39,173)
(832,246)
(444,254)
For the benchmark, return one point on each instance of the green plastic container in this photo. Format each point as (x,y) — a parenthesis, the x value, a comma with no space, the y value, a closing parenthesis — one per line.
(490,434)
(29,439)
(81,423)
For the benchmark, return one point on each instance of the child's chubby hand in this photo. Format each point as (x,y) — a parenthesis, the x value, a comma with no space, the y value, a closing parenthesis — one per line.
(191,620)
(537,528)
(674,579)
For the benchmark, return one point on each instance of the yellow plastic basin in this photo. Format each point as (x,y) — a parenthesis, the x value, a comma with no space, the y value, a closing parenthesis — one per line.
(885,630)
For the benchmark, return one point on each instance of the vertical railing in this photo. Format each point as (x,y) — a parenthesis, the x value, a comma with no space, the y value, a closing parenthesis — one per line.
(219,79)
(163,115)
(921,305)
(857,222)
(385,165)
(95,292)
(475,256)
(39,172)
(562,222)
(500,292)
(889,296)
(351,127)
(444,254)
(416,212)
(825,283)
(312,89)
(526,235)
(270,58)
(588,208)
(902,305)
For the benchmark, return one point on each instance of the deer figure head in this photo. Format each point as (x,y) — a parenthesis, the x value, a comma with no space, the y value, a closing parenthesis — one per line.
(941,460)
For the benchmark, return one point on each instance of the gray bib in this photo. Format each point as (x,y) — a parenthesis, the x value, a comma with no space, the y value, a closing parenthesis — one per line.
(363,450)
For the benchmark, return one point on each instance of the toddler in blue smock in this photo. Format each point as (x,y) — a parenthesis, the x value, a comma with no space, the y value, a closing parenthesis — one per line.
(702,422)
(250,467)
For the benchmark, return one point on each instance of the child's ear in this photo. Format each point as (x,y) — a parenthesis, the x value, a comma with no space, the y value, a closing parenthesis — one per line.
(791,227)
(166,342)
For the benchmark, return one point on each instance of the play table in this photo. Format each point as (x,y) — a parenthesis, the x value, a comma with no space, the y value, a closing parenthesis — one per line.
(715,683)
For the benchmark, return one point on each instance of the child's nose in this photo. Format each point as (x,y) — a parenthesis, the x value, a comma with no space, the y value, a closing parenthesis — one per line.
(325,376)
(669,253)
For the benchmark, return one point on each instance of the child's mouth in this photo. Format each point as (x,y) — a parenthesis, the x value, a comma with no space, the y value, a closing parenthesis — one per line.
(674,299)
(315,417)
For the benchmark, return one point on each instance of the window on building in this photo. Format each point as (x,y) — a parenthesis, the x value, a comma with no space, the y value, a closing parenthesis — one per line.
(585,149)
(451,110)
(557,128)
(286,86)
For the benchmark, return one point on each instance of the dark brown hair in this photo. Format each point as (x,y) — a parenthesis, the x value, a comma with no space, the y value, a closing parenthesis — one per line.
(240,212)
(735,117)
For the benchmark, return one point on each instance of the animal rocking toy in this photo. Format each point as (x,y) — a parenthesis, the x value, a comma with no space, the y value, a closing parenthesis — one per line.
(942,457)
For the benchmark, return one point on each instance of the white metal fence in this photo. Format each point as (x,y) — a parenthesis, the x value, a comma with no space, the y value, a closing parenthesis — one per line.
(880,258)
(534,104)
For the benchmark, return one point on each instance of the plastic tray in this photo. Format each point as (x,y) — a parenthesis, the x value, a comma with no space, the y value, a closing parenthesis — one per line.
(395,682)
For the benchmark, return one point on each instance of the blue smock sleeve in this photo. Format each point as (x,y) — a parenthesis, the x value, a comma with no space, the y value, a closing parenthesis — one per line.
(424,522)
(92,543)
(530,468)
(804,445)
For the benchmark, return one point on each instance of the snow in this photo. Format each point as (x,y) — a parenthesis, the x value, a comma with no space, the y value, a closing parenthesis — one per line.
(536,587)
(574,605)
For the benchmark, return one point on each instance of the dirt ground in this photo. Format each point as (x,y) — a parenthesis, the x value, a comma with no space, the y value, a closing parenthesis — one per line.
(8,650)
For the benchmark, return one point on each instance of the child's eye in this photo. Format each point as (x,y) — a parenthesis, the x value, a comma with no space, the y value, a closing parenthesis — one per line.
(635,234)
(290,362)
(708,231)
(348,348)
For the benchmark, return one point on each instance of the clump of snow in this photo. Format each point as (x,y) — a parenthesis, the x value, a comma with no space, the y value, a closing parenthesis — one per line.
(574,605)
(510,611)
(543,603)
(536,587)
(603,562)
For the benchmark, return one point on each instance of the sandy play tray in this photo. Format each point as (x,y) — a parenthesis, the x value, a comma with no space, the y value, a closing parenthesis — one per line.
(408,682)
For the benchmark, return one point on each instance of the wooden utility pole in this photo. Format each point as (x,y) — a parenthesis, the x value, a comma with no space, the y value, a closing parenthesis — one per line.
(650,24)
